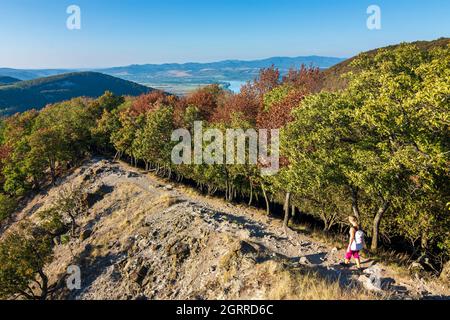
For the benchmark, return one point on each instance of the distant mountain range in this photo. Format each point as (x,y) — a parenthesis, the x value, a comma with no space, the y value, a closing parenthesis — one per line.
(31,74)
(229,70)
(24,95)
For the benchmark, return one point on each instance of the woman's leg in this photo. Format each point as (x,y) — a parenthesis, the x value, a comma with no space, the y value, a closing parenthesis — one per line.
(357,258)
(348,257)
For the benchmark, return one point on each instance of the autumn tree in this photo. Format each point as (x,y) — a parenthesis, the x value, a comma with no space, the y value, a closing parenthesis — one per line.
(206,100)
(150,101)
(306,79)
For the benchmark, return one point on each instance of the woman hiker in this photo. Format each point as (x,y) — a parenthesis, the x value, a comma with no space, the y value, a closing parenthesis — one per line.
(356,243)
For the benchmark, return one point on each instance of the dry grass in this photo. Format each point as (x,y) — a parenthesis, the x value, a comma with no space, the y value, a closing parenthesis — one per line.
(166,201)
(395,260)
(278,279)
(128,205)
(284,284)
(330,239)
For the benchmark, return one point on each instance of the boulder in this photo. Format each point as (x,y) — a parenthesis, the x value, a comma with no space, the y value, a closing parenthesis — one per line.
(132,175)
(139,275)
(375,270)
(305,244)
(373,279)
(304,261)
(180,250)
(99,170)
(372,283)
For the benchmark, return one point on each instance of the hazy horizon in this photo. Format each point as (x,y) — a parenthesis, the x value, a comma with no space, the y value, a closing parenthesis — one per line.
(169,62)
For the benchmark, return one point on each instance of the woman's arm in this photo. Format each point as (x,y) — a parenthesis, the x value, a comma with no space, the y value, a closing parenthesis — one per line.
(352,238)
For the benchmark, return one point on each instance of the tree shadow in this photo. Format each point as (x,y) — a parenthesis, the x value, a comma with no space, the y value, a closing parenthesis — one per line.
(256,230)
(92,267)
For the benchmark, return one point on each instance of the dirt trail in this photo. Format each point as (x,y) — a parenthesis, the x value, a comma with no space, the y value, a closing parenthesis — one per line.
(146,239)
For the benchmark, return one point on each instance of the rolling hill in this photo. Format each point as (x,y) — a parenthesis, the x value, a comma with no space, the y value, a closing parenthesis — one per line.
(332,77)
(4,80)
(37,93)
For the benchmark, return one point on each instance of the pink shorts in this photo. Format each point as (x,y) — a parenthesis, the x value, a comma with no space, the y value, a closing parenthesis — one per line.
(350,254)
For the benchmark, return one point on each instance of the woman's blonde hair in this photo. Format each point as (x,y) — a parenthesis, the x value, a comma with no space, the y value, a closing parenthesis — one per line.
(353,220)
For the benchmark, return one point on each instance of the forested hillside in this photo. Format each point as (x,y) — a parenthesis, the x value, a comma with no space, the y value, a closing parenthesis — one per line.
(25,95)
(378,149)
(333,77)
(7,80)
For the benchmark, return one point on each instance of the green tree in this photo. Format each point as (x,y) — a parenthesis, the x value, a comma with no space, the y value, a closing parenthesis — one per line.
(154,139)
(7,206)
(401,100)
(24,254)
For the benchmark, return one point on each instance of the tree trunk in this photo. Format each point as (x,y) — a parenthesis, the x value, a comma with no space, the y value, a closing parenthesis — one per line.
(355,204)
(266,199)
(44,286)
(74,225)
(376,224)
(53,171)
(286,210)
(251,194)
(424,241)
(226,190)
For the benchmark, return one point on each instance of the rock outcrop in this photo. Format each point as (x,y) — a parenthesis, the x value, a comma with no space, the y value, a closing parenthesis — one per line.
(142,238)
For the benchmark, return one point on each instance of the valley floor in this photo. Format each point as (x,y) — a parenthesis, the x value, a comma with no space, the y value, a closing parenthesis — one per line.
(145,239)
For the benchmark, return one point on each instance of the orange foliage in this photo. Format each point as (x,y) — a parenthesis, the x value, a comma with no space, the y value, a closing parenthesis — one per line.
(150,101)
(280,112)
(247,106)
(307,79)
(206,99)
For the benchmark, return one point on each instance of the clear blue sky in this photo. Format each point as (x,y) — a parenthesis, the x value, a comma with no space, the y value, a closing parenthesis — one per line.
(33,33)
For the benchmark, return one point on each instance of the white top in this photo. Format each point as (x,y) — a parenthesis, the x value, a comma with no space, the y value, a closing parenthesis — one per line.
(358,243)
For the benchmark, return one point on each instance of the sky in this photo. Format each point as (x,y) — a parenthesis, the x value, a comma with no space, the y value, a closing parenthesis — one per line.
(33,33)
